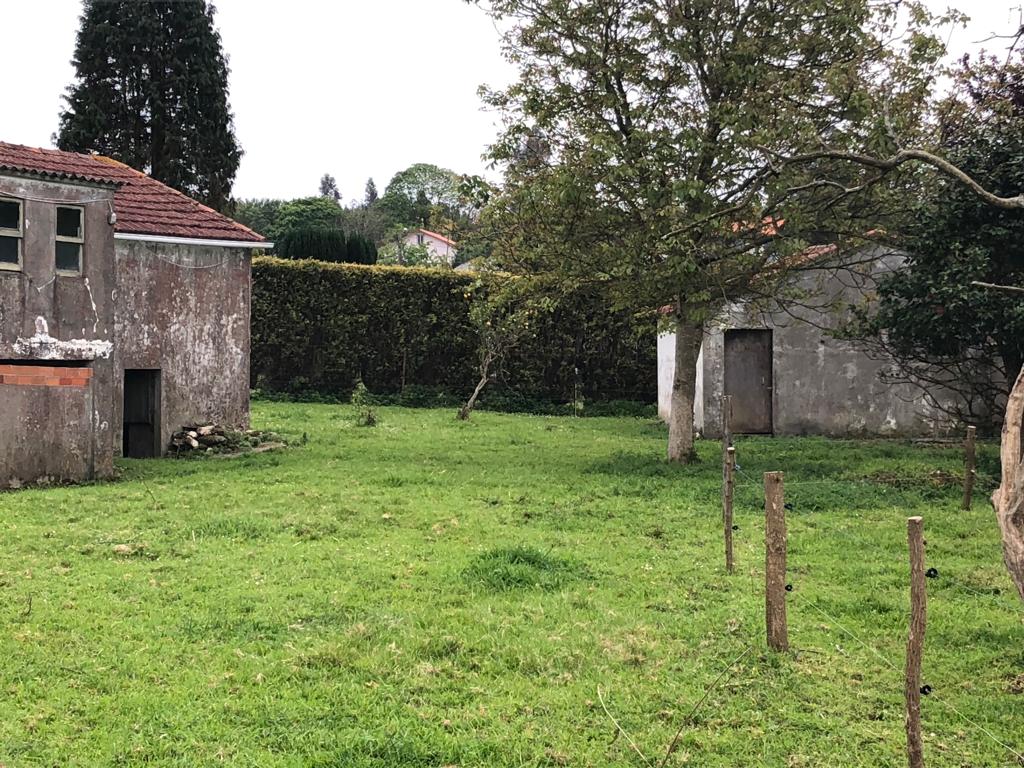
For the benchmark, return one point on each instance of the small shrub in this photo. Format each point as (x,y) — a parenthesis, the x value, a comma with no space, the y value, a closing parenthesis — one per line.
(361,398)
(360,394)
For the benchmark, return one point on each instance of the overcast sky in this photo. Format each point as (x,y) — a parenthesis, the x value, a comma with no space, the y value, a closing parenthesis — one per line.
(356,88)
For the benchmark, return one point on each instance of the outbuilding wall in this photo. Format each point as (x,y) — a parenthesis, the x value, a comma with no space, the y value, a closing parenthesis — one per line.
(56,423)
(184,309)
(821,385)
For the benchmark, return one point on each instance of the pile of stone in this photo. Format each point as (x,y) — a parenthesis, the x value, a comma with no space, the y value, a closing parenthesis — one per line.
(214,438)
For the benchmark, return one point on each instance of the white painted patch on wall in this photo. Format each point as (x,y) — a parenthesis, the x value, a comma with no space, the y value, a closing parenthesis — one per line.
(698,392)
(43,346)
(666,371)
(890,424)
(95,311)
(667,374)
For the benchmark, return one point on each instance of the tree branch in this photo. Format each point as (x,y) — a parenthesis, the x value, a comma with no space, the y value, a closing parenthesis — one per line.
(1014,289)
(904,156)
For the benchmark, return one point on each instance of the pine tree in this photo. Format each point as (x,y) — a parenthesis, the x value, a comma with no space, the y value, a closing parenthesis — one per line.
(370,197)
(150,90)
(329,187)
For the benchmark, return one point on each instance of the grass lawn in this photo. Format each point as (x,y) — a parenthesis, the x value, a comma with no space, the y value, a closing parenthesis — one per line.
(434,593)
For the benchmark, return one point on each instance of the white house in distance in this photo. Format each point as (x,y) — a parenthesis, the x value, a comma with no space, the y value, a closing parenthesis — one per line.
(441,249)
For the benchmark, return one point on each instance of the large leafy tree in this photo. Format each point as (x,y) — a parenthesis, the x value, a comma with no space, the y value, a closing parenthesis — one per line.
(365,220)
(941,330)
(660,148)
(413,195)
(305,213)
(259,215)
(151,90)
(276,218)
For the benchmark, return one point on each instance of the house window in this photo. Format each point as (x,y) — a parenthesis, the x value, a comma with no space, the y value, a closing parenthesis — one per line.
(12,229)
(70,238)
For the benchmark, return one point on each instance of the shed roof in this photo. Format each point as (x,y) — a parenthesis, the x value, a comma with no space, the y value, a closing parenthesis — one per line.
(144,206)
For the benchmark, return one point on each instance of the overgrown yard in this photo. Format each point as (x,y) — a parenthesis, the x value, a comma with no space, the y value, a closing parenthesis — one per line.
(427,592)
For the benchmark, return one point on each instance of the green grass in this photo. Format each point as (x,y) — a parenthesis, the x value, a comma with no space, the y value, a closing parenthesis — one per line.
(428,593)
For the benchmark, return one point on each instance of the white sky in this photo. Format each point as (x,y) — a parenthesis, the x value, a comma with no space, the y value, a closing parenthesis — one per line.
(355,88)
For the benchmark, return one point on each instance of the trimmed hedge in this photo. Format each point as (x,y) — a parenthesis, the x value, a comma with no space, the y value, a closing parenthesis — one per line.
(319,328)
(326,244)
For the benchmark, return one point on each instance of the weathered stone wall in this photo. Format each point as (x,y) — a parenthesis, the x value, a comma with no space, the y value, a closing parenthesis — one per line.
(53,431)
(821,385)
(181,309)
(50,433)
(184,309)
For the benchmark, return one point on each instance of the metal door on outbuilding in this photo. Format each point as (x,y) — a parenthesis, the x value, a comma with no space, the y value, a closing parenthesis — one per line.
(748,379)
(141,429)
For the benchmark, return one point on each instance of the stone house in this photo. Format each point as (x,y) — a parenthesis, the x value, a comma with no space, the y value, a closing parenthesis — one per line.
(788,375)
(124,314)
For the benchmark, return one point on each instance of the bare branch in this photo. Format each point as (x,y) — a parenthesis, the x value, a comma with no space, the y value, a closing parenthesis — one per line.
(621,730)
(904,156)
(1015,289)
(727,671)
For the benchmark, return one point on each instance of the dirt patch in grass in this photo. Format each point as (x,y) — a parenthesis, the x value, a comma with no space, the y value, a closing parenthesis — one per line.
(1017,685)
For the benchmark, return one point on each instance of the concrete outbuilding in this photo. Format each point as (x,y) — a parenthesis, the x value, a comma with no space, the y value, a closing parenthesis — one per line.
(788,374)
(124,314)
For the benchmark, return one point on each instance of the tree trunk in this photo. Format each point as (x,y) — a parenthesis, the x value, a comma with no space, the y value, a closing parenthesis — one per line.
(1013,360)
(1008,498)
(680,422)
(488,360)
(467,409)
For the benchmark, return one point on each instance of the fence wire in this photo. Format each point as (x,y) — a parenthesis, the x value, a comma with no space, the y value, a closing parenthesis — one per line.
(754,483)
(931,694)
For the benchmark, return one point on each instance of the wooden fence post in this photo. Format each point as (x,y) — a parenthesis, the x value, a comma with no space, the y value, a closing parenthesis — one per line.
(915,641)
(775,562)
(727,486)
(970,462)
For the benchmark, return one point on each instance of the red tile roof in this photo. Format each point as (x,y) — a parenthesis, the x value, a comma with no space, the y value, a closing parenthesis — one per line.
(143,205)
(804,258)
(436,236)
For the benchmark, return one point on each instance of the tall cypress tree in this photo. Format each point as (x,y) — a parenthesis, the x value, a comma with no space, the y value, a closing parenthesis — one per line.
(151,90)
(329,187)
(371,196)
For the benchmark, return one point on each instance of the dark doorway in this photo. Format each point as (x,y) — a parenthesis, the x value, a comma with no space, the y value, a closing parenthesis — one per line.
(748,378)
(141,432)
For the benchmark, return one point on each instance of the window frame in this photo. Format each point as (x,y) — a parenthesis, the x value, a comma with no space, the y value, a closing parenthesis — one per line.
(79,241)
(18,234)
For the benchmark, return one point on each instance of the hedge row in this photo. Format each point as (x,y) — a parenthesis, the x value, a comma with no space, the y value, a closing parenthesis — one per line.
(319,328)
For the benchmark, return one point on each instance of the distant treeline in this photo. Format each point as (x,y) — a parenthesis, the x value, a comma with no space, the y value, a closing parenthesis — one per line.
(422,195)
